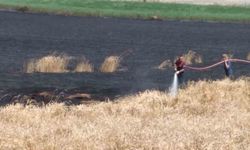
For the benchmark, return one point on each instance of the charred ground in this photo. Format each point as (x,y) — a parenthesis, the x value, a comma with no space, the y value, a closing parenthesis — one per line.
(24,36)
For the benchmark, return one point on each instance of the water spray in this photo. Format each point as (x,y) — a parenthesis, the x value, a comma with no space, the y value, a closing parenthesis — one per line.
(174,87)
(173,90)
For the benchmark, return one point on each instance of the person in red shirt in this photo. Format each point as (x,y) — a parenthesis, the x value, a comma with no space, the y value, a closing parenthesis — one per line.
(179,68)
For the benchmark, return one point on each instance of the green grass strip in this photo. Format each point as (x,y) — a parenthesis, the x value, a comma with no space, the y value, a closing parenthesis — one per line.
(132,9)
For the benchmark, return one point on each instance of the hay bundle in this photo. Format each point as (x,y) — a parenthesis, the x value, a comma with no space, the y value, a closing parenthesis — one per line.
(165,64)
(192,57)
(84,66)
(51,63)
(110,64)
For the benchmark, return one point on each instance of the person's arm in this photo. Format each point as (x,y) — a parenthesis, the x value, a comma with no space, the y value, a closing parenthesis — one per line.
(180,71)
(227,64)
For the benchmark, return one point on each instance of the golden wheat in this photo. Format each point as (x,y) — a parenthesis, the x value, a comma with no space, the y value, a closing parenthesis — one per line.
(84,66)
(110,64)
(205,115)
(51,63)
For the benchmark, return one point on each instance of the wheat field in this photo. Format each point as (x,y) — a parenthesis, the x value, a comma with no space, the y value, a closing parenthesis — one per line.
(205,115)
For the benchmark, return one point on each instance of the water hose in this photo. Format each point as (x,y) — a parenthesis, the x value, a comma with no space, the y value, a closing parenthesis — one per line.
(216,64)
(240,60)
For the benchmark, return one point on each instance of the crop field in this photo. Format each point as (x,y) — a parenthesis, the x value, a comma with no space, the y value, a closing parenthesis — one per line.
(88,75)
(205,115)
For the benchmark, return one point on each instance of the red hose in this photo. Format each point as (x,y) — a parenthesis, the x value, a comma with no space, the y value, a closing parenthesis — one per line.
(216,64)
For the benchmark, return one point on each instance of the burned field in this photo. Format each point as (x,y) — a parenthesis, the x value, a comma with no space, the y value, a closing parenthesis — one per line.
(25,37)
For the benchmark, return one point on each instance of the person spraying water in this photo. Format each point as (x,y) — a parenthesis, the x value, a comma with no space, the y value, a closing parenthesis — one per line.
(179,69)
(178,76)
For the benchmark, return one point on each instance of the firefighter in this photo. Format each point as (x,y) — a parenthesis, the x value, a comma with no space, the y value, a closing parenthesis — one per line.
(179,68)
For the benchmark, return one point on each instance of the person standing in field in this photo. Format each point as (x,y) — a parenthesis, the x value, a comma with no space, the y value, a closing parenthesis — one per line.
(179,68)
(227,66)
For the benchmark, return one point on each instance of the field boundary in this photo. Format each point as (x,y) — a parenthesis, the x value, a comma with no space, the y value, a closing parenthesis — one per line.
(134,10)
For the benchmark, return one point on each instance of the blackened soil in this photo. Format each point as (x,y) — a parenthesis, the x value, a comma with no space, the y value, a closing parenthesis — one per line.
(24,36)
